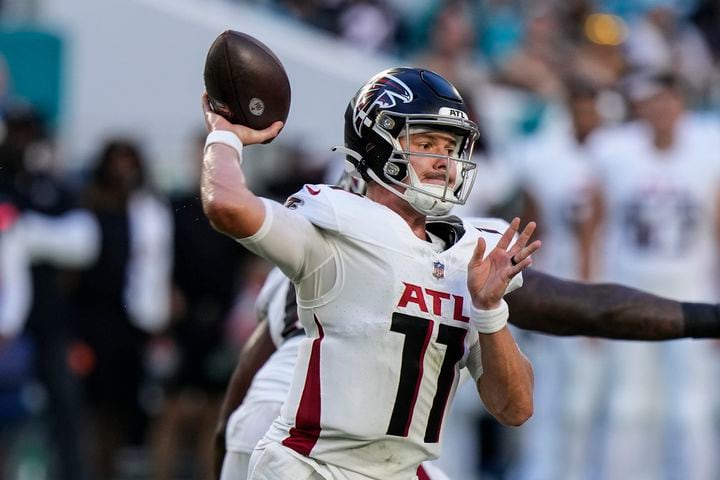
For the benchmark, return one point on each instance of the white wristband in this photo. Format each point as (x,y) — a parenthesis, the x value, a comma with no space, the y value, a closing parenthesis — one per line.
(489,321)
(228,138)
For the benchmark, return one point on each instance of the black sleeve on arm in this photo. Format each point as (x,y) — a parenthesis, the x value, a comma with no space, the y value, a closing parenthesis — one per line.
(550,305)
(702,320)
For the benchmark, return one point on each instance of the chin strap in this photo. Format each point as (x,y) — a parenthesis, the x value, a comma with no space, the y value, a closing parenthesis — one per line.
(424,203)
(421,202)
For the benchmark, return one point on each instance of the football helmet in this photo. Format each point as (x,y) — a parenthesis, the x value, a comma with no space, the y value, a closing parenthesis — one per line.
(400,102)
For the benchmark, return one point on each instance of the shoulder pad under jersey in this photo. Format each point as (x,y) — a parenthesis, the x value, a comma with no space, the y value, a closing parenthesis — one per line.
(327,207)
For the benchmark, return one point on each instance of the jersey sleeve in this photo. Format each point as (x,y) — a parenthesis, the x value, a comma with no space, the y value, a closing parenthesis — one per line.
(317,203)
(15,282)
(289,240)
(300,238)
(70,240)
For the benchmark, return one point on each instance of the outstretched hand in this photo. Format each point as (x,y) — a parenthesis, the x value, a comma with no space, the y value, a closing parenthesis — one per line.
(247,135)
(489,276)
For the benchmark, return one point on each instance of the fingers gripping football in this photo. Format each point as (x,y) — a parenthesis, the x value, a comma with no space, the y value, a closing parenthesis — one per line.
(489,275)
(247,135)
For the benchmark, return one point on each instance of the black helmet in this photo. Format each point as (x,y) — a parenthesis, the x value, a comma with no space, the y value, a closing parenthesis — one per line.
(399,102)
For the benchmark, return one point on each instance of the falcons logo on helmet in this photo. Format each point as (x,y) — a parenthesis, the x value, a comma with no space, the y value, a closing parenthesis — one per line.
(384,92)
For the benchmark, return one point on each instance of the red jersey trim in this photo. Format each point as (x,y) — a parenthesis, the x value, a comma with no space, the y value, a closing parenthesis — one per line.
(8,215)
(422,474)
(305,433)
(312,190)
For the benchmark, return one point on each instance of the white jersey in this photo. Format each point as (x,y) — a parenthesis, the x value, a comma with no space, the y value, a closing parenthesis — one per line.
(68,240)
(15,281)
(661,208)
(269,388)
(270,385)
(556,171)
(387,319)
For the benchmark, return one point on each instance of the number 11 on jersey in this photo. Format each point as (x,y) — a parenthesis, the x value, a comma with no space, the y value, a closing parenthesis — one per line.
(417,331)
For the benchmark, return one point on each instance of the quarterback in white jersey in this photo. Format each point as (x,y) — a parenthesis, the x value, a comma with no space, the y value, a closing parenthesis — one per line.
(277,308)
(356,283)
(392,305)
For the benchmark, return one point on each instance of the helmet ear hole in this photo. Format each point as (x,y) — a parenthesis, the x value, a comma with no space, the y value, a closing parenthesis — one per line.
(395,170)
(392,124)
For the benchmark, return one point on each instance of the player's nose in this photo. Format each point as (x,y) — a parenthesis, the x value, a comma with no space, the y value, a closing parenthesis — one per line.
(441,163)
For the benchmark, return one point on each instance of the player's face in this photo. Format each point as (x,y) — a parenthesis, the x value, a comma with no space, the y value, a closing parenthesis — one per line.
(432,169)
(584,115)
(661,110)
(124,171)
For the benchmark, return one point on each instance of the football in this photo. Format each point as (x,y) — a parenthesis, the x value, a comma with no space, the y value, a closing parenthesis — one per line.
(245,81)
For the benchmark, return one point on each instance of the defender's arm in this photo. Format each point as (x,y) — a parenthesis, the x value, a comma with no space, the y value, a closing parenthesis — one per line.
(550,305)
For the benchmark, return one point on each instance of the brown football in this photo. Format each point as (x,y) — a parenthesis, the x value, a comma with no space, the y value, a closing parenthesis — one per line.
(245,81)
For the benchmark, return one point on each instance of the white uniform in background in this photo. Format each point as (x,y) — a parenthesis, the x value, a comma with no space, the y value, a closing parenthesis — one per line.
(70,240)
(360,271)
(15,281)
(554,169)
(661,208)
(271,384)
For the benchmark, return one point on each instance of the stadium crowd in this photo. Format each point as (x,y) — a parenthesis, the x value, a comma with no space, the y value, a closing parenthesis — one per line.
(122,311)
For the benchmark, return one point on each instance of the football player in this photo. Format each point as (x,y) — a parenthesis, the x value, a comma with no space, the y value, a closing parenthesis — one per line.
(662,224)
(392,305)
(547,304)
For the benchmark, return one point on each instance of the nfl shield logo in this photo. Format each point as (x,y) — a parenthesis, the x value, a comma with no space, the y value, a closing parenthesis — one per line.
(438,270)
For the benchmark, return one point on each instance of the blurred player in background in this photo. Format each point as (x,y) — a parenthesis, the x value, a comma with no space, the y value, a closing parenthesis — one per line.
(50,234)
(123,298)
(207,272)
(559,192)
(660,180)
(363,295)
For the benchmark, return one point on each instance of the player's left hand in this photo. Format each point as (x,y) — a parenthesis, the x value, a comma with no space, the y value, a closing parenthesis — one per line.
(489,276)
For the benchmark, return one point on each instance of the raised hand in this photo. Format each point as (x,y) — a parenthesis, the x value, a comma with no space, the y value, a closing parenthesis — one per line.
(247,135)
(489,276)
